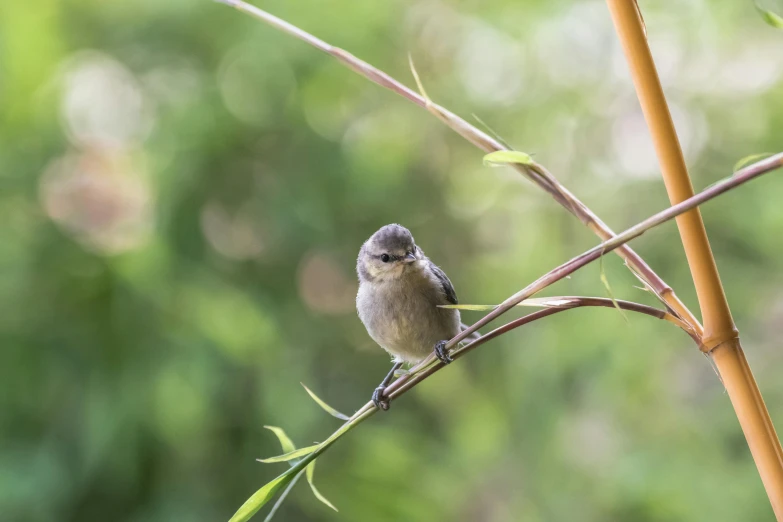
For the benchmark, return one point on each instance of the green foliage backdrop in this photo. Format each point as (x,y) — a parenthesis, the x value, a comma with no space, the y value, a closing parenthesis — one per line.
(183,192)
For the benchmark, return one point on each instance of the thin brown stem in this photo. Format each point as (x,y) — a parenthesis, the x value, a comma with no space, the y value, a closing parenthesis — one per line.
(431,364)
(579,301)
(536,173)
(575,301)
(743,176)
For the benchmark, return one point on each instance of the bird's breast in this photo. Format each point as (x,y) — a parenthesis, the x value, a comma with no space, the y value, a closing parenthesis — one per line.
(403,316)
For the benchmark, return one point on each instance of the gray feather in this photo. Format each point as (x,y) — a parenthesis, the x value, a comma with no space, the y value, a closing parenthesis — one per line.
(400,291)
(448,288)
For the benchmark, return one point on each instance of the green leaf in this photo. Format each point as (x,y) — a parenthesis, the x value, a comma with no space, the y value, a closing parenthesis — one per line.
(548,302)
(263,495)
(773,19)
(331,411)
(542,302)
(290,455)
(747,160)
(504,157)
(285,442)
(318,495)
(475,308)
(282,497)
(268,491)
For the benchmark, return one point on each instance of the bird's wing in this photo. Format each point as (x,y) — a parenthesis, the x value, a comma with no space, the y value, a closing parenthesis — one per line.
(448,288)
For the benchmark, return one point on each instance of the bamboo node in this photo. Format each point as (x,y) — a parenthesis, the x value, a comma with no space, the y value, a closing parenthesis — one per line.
(711,341)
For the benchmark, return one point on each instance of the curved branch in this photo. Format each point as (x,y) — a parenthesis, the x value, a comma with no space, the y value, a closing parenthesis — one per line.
(569,267)
(576,301)
(432,365)
(536,173)
(539,175)
(400,386)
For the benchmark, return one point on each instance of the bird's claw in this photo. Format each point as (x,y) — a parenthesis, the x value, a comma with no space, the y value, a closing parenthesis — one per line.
(379,399)
(442,353)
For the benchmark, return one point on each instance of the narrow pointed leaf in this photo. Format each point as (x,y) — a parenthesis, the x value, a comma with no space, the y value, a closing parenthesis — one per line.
(318,495)
(282,497)
(268,491)
(747,160)
(503,157)
(541,302)
(328,409)
(773,19)
(285,442)
(473,307)
(290,455)
(263,495)
(548,302)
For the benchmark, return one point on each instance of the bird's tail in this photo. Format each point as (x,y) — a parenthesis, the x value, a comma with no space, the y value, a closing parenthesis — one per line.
(472,337)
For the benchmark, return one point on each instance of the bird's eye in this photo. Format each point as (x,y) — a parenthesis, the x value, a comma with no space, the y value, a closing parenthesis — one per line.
(385,258)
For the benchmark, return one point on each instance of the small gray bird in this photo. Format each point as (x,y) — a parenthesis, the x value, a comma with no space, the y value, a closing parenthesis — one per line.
(399,293)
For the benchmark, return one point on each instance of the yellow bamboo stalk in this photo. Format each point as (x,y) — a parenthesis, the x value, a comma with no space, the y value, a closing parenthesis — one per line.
(721,340)
(753,417)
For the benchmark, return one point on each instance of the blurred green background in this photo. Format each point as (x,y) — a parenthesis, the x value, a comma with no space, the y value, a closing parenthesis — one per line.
(183,192)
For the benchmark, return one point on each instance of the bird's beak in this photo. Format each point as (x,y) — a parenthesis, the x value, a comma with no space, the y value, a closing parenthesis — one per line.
(410,258)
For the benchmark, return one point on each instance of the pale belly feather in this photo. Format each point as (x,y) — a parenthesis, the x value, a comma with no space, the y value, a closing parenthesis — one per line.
(404,318)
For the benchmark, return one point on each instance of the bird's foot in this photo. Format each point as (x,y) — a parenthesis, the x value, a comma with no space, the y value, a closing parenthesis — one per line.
(379,397)
(442,353)
(380,400)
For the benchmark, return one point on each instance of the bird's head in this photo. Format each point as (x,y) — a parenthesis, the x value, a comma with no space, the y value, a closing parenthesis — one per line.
(388,254)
